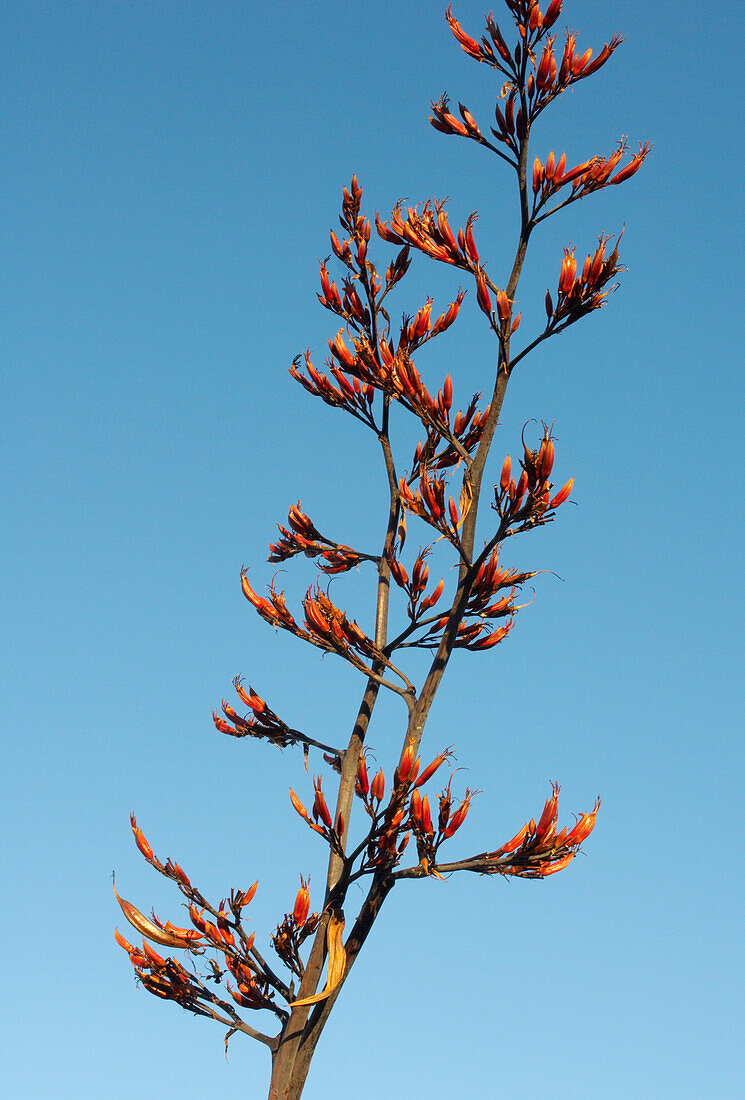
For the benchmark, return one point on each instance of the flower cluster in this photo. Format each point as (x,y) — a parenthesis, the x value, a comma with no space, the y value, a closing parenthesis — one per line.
(528,502)
(579,294)
(225,934)
(591,175)
(303,538)
(294,930)
(426,228)
(365,358)
(547,76)
(428,502)
(392,825)
(538,850)
(370,373)
(264,723)
(326,626)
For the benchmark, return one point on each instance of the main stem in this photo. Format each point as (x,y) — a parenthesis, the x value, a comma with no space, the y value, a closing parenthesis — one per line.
(420,713)
(295,1046)
(292,1054)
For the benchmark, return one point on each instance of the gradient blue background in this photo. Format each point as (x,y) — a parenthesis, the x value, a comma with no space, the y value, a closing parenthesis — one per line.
(170,171)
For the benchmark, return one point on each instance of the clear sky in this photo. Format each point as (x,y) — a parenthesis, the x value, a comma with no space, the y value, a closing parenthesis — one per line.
(170,173)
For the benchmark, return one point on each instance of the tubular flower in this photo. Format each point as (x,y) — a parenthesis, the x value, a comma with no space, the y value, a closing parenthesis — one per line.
(427,229)
(264,722)
(302,904)
(584,826)
(538,850)
(466,43)
(142,843)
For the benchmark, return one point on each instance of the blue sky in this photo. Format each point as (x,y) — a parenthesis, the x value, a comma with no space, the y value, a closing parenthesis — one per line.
(170,174)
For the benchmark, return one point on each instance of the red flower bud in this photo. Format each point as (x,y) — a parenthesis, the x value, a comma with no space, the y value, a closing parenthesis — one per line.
(320,809)
(552,14)
(470,243)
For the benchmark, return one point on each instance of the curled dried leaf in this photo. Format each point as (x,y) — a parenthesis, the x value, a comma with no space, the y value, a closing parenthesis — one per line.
(337,961)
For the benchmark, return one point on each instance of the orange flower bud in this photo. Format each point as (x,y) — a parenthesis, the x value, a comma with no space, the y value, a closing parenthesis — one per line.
(298,805)
(521,487)
(470,45)
(494,638)
(340,350)
(584,827)
(580,62)
(248,591)
(558,865)
(504,307)
(427,817)
(152,954)
(602,57)
(195,915)
(517,839)
(547,825)
(633,166)
(320,809)
(377,787)
(504,478)
(140,841)
(407,759)
(537,175)
(302,904)
(431,768)
(546,459)
(482,295)
(568,271)
(469,120)
(434,596)
(122,942)
(547,63)
(249,894)
(453,510)
(562,495)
